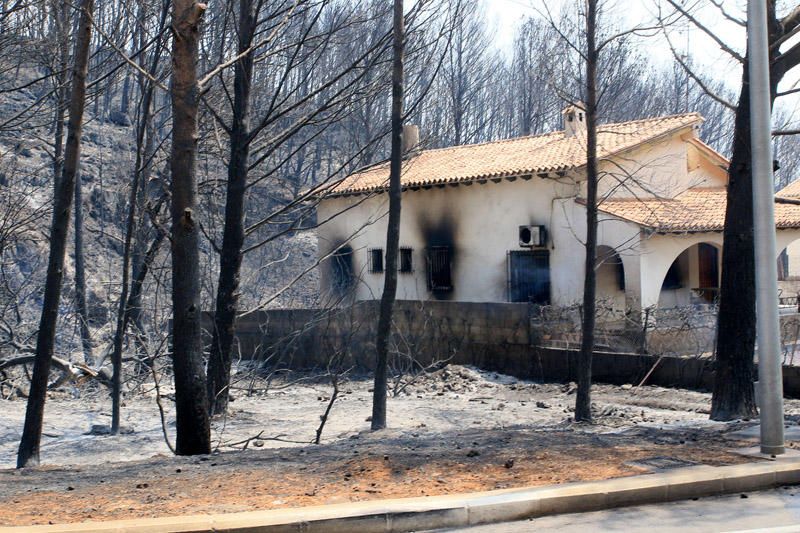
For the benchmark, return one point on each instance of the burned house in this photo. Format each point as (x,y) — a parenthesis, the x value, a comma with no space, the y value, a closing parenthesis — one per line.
(505,221)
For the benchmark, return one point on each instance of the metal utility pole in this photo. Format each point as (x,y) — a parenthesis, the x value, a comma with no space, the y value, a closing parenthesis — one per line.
(770,375)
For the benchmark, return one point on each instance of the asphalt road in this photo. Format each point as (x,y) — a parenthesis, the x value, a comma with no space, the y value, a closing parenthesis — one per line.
(775,510)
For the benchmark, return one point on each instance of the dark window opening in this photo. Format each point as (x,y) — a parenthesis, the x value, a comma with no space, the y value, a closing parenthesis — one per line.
(708,259)
(783,266)
(529,276)
(406,264)
(673,278)
(342,268)
(611,259)
(708,264)
(440,269)
(376,260)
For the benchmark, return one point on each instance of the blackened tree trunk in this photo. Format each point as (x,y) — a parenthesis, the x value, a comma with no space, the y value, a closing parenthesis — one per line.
(122,310)
(393,226)
(123,313)
(60,13)
(733,395)
(80,278)
(61,23)
(583,402)
(28,454)
(140,244)
(219,364)
(81,308)
(139,254)
(139,275)
(191,404)
(126,91)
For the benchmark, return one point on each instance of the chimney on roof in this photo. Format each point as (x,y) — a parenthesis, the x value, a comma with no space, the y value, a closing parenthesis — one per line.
(574,119)
(410,138)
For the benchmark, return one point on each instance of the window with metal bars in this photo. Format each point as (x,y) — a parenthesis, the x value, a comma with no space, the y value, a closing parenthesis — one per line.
(440,268)
(376,260)
(406,261)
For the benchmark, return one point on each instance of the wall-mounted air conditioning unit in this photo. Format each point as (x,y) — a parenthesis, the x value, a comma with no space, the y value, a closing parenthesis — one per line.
(532,236)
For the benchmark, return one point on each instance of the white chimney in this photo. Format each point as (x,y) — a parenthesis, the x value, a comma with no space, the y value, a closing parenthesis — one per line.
(574,119)
(410,137)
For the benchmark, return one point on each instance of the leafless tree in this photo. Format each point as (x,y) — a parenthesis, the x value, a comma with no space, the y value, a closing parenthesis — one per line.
(583,403)
(34,416)
(393,224)
(134,201)
(193,430)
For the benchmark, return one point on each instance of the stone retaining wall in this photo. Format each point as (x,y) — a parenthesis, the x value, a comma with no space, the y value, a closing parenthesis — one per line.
(491,336)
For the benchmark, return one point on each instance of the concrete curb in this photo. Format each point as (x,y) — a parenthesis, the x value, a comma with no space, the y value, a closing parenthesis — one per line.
(414,514)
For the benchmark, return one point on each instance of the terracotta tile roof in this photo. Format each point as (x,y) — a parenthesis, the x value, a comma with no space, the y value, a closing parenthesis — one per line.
(790,191)
(696,210)
(552,152)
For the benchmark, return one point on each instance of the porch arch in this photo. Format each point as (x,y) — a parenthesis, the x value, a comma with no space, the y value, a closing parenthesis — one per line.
(788,248)
(785,238)
(676,260)
(788,266)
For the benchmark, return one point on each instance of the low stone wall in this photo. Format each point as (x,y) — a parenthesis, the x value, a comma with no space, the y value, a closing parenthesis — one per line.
(425,331)
(494,337)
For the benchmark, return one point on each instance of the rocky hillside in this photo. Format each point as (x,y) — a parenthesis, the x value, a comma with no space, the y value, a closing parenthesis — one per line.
(107,162)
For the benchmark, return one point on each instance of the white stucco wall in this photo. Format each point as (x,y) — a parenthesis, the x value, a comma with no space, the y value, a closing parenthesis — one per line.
(483,221)
(663,168)
(704,169)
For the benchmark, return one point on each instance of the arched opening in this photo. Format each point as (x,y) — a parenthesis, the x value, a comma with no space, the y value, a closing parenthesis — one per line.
(692,278)
(789,262)
(610,278)
(789,274)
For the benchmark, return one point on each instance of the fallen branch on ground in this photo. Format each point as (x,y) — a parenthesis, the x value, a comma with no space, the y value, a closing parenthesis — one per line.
(77,372)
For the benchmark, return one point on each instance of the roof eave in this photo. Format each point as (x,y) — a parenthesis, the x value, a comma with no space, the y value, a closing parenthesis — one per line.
(526,175)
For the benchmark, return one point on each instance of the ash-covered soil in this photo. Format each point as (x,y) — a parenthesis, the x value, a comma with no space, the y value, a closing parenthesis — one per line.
(458,429)
(288,413)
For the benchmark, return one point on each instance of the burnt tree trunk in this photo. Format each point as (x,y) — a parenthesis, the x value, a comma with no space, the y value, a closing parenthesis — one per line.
(61,22)
(393,226)
(28,454)
(191,405)
(733,395)
(123,313)
(142,231)
(219,364)
(583,401)
(143,234)
(122,310)
(80,278)
(60,11)
(139,275)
